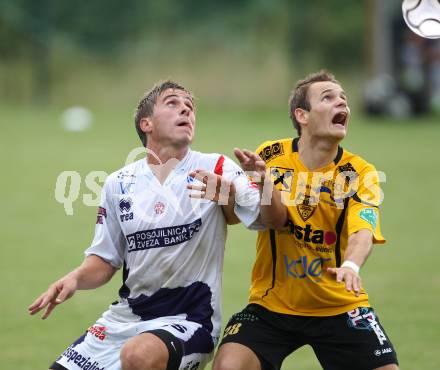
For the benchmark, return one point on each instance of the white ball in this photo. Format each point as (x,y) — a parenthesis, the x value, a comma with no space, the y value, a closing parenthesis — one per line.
(423,17)
(76,119)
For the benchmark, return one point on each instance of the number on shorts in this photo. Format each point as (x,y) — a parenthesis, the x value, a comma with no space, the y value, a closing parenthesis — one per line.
(232,329)
(178,327)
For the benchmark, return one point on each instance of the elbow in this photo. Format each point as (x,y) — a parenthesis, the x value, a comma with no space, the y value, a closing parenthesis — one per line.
(275,224)
(275,220)
(233,221)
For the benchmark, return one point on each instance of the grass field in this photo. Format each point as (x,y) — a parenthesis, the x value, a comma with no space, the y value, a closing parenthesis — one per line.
(39,242)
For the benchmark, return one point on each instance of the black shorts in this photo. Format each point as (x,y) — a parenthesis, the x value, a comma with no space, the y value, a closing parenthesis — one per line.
(353,340)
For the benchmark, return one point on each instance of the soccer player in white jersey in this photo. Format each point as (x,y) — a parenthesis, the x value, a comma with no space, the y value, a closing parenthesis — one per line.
(155,222)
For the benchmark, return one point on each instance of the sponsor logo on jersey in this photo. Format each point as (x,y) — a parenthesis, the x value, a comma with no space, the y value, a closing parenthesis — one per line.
(125,204)
(379,352)
(349,171)
(126,182)
(98,331)
(271,151)
(369,215)
(348,167)
(303,267)
(83,362)
(102,213)
(309,235)
(283,177)
(325,189)
(364,319)
(163,237)
(122,175)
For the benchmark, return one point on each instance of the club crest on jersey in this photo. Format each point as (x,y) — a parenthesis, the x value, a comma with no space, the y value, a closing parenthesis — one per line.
(305,210)
(159,208)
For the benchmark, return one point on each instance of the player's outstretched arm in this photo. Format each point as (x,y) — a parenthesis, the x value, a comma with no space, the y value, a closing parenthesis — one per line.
(274,214)
(92,273)
(359,248)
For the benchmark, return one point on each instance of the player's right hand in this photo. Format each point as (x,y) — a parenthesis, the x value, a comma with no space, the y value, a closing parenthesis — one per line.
(57,293)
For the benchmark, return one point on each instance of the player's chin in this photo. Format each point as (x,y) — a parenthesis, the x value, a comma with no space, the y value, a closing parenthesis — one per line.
(338,131)
(185,140)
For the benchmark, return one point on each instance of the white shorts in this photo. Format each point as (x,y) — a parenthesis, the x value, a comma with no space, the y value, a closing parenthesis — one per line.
(100,346)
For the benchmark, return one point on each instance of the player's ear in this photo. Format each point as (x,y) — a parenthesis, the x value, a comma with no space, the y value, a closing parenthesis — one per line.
(145,125)
(301,116)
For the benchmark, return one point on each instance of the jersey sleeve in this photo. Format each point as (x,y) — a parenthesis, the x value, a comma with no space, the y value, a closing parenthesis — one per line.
(109,242)
(247,197)
(263,149)
(363,206)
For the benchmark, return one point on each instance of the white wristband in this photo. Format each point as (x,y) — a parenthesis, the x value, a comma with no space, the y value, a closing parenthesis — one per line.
(351,265)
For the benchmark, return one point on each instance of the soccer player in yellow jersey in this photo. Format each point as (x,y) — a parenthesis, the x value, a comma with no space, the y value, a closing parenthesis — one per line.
(320,220)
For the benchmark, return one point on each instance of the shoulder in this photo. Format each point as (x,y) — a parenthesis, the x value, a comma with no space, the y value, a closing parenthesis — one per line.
(213,161)
(206,157)
(274,148)
(126,174)
(353,162)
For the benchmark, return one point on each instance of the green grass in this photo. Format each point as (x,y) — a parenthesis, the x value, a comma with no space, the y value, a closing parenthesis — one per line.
(39,243)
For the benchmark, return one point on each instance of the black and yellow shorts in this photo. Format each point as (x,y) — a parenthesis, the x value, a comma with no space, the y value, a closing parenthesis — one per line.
(353,340)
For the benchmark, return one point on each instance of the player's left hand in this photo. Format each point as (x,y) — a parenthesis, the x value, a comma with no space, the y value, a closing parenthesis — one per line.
(351,278)
(212,186)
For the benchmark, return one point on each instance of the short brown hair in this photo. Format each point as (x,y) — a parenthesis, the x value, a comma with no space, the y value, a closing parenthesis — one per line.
(148,101)
(299,98)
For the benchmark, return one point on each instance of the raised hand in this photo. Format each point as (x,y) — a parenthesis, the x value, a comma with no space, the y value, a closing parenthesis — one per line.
(250,161)
(213,187)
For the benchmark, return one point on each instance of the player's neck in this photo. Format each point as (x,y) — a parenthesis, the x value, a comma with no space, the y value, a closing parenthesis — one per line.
(163,160)
(316,153)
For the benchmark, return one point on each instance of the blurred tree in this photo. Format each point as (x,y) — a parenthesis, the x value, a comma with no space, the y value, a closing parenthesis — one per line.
(312,32)
(331,32)
(28,28)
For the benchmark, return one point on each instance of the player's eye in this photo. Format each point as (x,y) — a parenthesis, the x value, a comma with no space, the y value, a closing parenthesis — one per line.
(326,97)
(191,108)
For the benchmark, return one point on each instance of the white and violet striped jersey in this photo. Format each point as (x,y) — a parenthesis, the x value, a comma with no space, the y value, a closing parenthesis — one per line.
(170,246)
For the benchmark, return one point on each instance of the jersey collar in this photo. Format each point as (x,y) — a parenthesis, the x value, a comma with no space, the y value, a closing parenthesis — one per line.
(338,154)
(146,170)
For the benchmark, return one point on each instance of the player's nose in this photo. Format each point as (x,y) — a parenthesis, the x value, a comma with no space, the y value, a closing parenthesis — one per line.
(341,102)
(184,110)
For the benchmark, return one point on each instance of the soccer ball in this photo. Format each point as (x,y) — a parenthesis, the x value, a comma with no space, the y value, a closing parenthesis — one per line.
(423,17)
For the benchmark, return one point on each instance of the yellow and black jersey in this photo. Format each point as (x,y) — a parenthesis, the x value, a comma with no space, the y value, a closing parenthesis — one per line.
(325,206)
